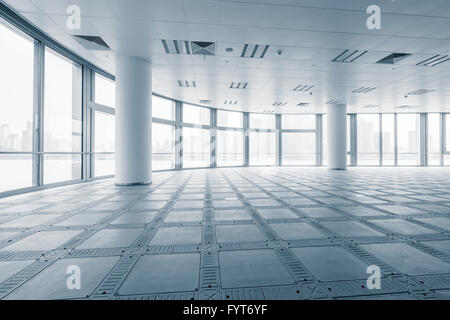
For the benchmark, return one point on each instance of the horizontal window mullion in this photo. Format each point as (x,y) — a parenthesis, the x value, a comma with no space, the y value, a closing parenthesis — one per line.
(101,107)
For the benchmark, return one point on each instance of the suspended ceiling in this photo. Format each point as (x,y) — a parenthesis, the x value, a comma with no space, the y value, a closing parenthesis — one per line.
(298,39)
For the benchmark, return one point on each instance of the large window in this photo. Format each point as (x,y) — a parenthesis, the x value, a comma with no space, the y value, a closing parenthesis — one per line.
(229,119)
(230,148)
(196,115)
(305,122)
(163,108)
(62,119)
(388,139)
(299,148)
(262,148)
(368,128)
(408,133)
(105,91)
(230,139)
(434,139)
(16,110)
(196,147)
(163,146)
(104,144)
(262,121)
(299,139)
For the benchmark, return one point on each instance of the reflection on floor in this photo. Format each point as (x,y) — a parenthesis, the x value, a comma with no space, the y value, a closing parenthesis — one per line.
(244,233)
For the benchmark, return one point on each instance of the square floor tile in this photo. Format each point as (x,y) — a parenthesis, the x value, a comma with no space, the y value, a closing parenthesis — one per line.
(163,273)
(232,214)
(227,204)
(52,282)
(407,259)
(184,216)
(177,236)
(277,213)
(264,203)
(351,229)
(11,268)
(443,223)
(82,219)
(401,210)
(111,238)
(320,212)
(401,226)
(7,235)
(30,221)
(331,263)
(42,241)
(300,201)
(296,231)
(252,268)
(443,245)
(148,205)
(239,233)
(185,204)
(361,211)
(135,217)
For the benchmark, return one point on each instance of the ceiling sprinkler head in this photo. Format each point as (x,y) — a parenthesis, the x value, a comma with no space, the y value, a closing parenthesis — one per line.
(279,52)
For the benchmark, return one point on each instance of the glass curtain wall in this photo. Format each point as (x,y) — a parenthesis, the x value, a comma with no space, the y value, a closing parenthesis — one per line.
(62,119)
(298,139)
(368,128)
(262,140)
(163,133)
(16,109)
(196,136)
(230,138)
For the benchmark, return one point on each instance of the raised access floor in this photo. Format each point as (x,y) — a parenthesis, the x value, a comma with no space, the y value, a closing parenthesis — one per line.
(243,233)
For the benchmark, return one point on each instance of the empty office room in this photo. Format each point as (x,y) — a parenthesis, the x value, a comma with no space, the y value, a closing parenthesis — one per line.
(224,150)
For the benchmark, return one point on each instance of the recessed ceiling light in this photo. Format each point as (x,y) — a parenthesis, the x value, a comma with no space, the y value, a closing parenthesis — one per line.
(229,49)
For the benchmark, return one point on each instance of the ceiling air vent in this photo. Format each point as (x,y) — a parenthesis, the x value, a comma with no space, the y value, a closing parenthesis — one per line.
(394,58)
(434,61)
(364,90)
(335,102)
(187,84)
(420,92)
(302,87)
(205,101)
(203,48)
(254,51)
(279,104)
(189,47)
(92,42)
(229,102)
(303,104)
(349,56)
(269,111)
(238,85)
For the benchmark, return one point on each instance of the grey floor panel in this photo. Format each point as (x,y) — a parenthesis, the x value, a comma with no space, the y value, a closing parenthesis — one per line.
(111,238)
(10,268)
(163,273)
(407,259)
(443,246)
(177,235)
(135,217)
(402,227)
(331,263)
(238,233)
(252,268)
(44,240)
(52,282)
(233,233)
(296,231)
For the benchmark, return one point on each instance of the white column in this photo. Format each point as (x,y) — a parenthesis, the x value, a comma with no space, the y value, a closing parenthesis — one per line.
(133,121)
(337,137)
